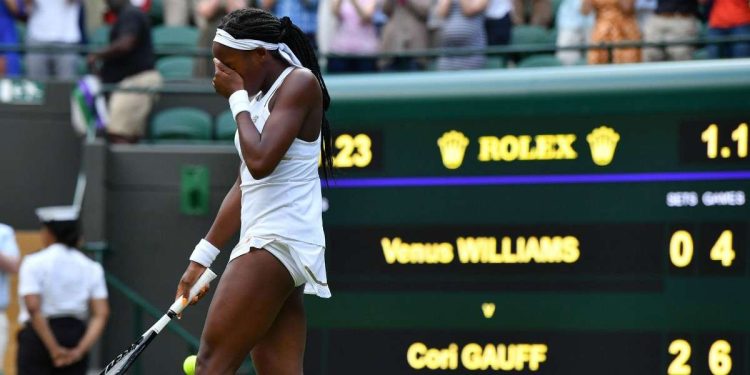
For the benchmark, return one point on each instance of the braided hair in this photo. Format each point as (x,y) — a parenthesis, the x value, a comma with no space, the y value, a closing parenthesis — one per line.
(258,24)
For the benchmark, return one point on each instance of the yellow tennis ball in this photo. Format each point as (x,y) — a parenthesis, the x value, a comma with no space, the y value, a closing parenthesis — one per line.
(189,365)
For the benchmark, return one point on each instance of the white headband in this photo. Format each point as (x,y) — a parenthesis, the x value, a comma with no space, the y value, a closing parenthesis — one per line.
(224,38)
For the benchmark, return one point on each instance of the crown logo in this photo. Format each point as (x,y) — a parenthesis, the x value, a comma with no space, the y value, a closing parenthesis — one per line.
(488,309)
(603,142)
(452,148)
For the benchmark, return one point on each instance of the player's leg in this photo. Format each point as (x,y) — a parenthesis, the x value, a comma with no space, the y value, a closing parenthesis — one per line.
(281,350)
(249,296)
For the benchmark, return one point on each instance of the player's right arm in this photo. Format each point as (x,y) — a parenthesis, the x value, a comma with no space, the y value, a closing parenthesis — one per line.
(226,224)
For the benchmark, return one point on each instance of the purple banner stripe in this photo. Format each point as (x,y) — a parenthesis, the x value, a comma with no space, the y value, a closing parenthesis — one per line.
(345,183)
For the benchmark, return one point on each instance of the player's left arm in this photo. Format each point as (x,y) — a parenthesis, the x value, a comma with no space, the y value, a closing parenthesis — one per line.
(262,152)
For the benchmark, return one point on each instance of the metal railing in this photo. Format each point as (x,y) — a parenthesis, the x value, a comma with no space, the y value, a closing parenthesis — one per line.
(514,49)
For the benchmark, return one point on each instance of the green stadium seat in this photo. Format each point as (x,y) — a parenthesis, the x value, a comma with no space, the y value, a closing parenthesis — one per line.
(703,30)
(526,34)
(538,61)
(178,36)
(100,36)
(82,67)
(495,62)
(225,126)
(555,8)
(175,67)
(156,13)
(552,36)
(181,123)
(700,54)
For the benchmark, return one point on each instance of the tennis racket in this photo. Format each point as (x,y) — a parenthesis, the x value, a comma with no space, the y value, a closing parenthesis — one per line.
(122,362)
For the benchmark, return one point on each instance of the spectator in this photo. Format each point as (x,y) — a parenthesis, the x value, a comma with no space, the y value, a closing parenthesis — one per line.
(304,14)
(355,35)
(327,25)
(9,255)
(498,22)
(53,25)
(406,30)
(644,9)
(10,62)
(434,25)
(573,29)
(59,289)
(176,12)
(729,18)
(129,62)
(463,27)
(673,20)
(615,22)
(110,17)
(541,12)
(208,13)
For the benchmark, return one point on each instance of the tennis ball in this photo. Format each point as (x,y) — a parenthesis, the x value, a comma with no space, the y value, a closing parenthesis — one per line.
(189,365)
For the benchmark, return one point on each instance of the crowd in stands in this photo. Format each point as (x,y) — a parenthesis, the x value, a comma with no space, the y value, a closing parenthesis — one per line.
(354,36)
(351,33)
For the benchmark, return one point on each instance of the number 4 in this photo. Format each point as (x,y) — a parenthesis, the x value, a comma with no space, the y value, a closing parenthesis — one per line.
(722,250)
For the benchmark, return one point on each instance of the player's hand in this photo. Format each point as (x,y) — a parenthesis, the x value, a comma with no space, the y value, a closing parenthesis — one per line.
(226,81)
(59,356)
(191,275)
(71,356)
(76,354)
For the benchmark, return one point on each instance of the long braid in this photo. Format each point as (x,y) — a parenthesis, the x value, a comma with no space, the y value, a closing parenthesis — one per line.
(253,23)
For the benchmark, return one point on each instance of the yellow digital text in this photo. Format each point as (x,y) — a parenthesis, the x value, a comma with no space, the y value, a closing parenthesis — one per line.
(527,147)
(478,357)
(486,250)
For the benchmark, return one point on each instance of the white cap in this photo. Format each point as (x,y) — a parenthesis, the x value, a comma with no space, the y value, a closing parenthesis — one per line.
(57,213)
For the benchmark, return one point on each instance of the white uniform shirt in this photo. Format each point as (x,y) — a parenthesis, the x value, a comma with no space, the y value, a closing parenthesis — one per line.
(65,279)
(288,202)
(497,9)
(8,248)
(55,21)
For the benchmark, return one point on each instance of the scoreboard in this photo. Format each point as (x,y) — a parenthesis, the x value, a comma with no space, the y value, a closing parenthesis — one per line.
(595,242)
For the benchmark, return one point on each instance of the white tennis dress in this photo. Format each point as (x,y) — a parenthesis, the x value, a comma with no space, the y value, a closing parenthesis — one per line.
(282,213)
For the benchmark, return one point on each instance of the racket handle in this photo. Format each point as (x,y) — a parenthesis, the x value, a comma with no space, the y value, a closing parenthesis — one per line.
(204,280)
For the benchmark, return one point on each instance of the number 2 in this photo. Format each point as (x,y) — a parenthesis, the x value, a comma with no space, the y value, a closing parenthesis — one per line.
(679,366)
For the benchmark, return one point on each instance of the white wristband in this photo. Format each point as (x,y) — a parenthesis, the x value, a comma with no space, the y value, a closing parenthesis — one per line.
(239,102)
(204,253)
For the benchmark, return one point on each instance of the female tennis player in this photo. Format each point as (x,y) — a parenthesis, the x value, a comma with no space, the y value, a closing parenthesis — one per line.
(269,72)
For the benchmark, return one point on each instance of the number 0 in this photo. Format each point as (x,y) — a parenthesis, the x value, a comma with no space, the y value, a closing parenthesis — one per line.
(681,248)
